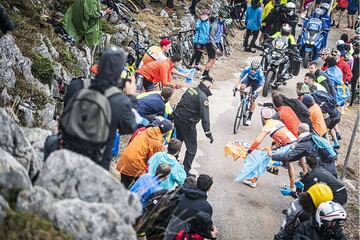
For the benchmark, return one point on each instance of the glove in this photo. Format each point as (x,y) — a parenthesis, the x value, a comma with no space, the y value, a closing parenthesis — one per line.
(299,184)
(210,136)
(248,151)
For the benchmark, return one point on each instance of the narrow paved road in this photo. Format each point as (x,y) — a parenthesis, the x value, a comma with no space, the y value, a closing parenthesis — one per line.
(240,212)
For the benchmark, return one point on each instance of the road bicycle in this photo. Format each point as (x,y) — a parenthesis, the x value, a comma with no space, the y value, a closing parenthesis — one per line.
(243,108)
(224,47)
(139,47)
(237,14)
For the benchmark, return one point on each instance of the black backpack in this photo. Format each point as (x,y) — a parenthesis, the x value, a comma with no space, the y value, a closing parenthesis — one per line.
(301,111)
(85,123)
(326,102)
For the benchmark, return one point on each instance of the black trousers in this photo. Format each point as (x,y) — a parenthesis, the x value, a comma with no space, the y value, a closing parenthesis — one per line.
(255,35)
(192,7)
(188,135)
(354,82)
(198,51)
(128,181)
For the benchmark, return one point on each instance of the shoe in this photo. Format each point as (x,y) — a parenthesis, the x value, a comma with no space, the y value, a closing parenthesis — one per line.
(286,76)
(272,170)
(336,145)
(197,67)
(248,122)
(188,174)
(333,24)
(338,136)
(249,183)
(338,25)
(247,49)
(204,76)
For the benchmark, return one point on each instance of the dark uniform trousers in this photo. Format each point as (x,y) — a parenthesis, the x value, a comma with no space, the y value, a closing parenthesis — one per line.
(188,135)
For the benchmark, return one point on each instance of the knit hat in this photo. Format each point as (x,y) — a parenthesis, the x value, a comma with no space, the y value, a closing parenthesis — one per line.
(164,42)
(267,113)
(308,100)
(165,126)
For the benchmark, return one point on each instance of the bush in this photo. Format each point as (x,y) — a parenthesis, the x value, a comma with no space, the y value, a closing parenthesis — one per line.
(43,69)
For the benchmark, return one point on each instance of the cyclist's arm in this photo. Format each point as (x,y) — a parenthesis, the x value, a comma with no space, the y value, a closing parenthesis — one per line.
(258,141)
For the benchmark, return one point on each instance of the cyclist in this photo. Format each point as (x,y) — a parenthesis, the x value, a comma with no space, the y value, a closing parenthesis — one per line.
(251,76)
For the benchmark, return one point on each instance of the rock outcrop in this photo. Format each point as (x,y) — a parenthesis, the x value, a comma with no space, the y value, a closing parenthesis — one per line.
(4,207)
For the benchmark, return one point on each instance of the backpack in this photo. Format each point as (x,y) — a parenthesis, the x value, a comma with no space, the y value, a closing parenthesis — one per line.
(326,151)
(85,123)
(326,102)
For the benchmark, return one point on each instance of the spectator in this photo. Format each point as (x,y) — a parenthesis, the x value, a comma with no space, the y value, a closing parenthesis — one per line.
(200,226)
(319,174)
(316,115)
(153,105)
(304,147)
(156,53)
(355,71)
(111,64)
(342,65)
(149,183)
(253,24)
(265,28)
(6,24)
(191,203)
(325,53)
(192,7)
(321,78)
(82,21)
(339,10)
(352,10)
(133,161)
(178,174)
(156,72)
(309,79)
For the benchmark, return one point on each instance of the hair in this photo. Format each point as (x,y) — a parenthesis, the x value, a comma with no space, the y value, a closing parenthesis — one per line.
(331,61)
(175,58)
(204,182)
(174,146)
(313,64)
(278,100)
(303,127)
(306,202)
(312,162)
(163,170)
(190,181)
(310,75)
(274,93)
(166,93)
(344,37)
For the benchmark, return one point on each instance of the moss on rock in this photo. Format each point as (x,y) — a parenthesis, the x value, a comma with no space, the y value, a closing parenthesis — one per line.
(43,69)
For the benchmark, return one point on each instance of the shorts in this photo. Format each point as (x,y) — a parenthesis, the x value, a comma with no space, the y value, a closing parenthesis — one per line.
(141,82)
(210,51)
(352,12)
(340,8)
(250,83)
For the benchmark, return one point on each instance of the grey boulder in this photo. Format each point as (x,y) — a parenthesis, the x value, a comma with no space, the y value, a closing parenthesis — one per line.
(36,137)
(4,207)
(70,175)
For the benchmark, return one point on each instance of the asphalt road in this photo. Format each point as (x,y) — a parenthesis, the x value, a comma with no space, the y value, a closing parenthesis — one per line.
(241,212)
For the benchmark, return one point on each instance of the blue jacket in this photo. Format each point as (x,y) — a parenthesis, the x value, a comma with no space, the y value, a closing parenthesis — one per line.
(353,5)
(145,186)
(153,104)
(342,91)
(253,18)
(177,174)
(259,75)
(202,31)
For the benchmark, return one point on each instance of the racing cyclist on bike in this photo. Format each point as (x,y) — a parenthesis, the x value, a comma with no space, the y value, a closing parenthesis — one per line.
(252,77)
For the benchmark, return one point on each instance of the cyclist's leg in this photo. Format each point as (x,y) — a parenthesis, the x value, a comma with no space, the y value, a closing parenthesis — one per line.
(244,84)
(253,100)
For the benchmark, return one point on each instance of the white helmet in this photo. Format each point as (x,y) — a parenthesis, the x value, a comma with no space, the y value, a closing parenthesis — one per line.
(290,5)
(325,6)
(319,12)
(329,211)
(340,42)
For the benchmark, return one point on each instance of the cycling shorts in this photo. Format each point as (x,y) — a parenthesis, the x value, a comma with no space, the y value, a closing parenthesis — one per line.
(210,51)
(251,83)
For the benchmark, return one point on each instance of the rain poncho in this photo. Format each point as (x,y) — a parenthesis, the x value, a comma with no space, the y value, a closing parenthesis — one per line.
(256,162)
(82,21)
(342,91)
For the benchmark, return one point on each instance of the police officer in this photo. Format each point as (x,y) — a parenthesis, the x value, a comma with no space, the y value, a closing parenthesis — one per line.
(193,107)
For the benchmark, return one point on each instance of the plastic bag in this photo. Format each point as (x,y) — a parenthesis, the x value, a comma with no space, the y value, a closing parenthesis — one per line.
(115,148)
(186,71)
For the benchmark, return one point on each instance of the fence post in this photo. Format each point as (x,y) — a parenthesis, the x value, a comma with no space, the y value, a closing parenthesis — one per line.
(347,158)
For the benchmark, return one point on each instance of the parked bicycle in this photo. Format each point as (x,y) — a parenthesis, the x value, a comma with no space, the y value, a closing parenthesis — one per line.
(224,47)
(237,14)
(139,46)
(243,108)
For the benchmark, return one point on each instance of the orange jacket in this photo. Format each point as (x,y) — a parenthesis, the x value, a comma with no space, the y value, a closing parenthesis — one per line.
(157,71)
(289,118)
(133,161)
(317,120)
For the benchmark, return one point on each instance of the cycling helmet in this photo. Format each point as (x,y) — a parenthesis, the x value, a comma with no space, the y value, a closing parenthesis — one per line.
(205,12)
(329,211)
(335,52)
(285,29)
(340,42)
(325,6)
(320,193)
(326,51)
(318,12)
(255,64)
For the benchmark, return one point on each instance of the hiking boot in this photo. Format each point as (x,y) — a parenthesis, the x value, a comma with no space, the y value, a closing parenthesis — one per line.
(249,183)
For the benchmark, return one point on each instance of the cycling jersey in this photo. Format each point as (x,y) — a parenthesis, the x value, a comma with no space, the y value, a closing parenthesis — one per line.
(258,77)
(278,132)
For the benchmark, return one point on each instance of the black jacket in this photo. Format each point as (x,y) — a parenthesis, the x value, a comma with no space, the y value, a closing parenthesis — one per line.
(304,147)
(320,174)
(122,117)
(322,79)
(194,106)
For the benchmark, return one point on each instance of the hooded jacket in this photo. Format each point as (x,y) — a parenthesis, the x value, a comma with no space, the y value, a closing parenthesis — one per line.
(190,203)
(133,161)
(177,174)
(304,147)
(344,68)
(202,31)
(157,71)
(151,105)
(253,18)
(322,79)
(342,92)
(122,117)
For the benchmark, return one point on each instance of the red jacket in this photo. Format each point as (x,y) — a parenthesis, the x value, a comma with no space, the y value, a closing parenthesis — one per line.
(344,67)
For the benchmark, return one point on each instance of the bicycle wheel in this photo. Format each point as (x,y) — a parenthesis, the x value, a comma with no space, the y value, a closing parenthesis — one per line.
(186,53)
(239,115)
(126,13)
(245,111)
(131,6)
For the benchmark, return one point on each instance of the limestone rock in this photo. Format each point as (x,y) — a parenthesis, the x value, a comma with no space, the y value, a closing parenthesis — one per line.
(13,141)
(37,137)
(13,176)
(82,62)
(36,200)
(5,97)
(70,175)
(4,206)
(85,220)
(46,115)
(164,14)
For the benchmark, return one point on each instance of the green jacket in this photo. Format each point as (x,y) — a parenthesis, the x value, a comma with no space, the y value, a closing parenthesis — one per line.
(82,21)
